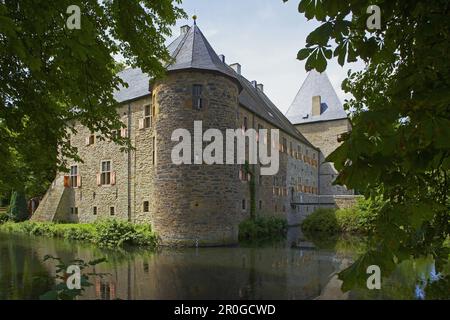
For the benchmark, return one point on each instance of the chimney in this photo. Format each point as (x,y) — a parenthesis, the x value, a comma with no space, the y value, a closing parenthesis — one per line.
(260,87)
(184,29)
(316,102)
(254,84)
(222,58)
(236,67)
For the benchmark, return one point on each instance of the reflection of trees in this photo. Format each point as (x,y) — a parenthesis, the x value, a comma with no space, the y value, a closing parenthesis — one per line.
(22,274)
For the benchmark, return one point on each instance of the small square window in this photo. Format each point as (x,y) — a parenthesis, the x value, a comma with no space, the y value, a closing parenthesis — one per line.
(112,211)
(91,139)
(146,206)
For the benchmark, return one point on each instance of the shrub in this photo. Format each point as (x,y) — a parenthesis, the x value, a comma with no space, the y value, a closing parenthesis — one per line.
(110,233)
(322,220)
(359,219)
(3,217)
(18,210)
(262,228)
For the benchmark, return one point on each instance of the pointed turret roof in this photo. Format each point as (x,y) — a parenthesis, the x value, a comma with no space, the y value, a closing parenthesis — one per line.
(193,51)
(316,84)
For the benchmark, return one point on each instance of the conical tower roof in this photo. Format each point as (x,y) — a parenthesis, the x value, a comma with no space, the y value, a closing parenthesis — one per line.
(316,84)
(193,51)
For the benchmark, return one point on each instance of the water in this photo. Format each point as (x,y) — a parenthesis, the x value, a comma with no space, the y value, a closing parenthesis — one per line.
(290,269)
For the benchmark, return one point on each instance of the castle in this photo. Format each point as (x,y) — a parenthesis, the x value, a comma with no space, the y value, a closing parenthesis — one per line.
(198,203)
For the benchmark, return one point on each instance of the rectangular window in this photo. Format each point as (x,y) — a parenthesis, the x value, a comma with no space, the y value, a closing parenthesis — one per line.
(112,211)
(284,145)
(105,175)
(76,210)
(147,117)
(94,211)
(146,206)
(260,204)
(291,149)
(245,123)
(197,96)
(91,139)
(243,204)
(154,151)
(74,176)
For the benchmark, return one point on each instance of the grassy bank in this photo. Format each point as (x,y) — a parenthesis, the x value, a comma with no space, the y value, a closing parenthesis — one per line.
(108,233)
(261,228)
(359,219)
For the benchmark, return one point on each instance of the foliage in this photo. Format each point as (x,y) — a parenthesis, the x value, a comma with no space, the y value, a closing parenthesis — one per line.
(61,290)
(18,209)
(108,233)
(262,228)
(52,77)
(3,217)
(398,147)
(361,219)
(322,221)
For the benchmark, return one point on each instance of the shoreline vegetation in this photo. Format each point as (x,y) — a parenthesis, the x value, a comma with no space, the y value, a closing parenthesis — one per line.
(115,233)
(359,219)
(107,233)
(262,228)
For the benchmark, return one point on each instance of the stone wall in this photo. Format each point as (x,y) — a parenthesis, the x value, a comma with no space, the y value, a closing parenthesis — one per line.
(325,135)
(187,203)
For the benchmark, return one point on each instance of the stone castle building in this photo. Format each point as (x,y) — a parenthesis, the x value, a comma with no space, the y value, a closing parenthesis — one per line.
(192,204)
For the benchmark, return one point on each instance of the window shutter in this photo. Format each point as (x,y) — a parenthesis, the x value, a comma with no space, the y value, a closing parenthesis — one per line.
(141,124)
(79,181)
(66,181)
(113,178)
(99,181)
(87,140)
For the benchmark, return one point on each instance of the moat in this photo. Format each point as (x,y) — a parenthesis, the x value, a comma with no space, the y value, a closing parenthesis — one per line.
(288,269)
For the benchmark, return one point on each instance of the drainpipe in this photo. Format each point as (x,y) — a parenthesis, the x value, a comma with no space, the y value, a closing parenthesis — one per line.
(129,165)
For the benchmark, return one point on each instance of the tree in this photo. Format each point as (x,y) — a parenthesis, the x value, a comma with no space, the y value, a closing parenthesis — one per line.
(52,75)
(399,146)
(18,210)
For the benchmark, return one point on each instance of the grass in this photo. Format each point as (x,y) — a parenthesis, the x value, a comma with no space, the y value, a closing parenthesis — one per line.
(261,228)
(108,233)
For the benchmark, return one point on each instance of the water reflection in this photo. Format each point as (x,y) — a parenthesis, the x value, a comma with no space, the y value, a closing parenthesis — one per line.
(291,269)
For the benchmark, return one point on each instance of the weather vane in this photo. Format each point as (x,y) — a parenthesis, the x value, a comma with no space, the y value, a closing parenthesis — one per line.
(195,18)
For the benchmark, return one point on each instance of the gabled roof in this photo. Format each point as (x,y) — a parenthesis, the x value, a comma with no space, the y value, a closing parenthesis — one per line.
(316,84)
(192,51)
(256,101)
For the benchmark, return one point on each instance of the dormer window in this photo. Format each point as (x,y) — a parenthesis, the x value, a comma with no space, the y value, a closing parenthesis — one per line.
(197,96)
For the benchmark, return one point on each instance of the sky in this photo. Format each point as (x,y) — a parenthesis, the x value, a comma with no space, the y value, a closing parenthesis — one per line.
(264,36)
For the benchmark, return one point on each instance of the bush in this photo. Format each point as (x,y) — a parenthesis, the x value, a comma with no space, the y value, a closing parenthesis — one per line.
(359,219)
(322,220)
(110,233)
(3,217)
(262,228)
(18,210)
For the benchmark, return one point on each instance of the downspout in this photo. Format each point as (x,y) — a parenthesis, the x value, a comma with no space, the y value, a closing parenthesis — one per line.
(129,165)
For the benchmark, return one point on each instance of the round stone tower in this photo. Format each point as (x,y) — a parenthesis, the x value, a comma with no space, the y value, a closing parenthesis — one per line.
(194,204)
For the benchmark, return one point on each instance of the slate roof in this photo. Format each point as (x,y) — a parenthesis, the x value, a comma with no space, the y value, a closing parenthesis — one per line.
(193,51)
(316,84)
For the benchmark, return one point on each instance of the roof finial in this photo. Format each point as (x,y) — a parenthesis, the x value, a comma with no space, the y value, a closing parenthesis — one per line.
(195,19)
